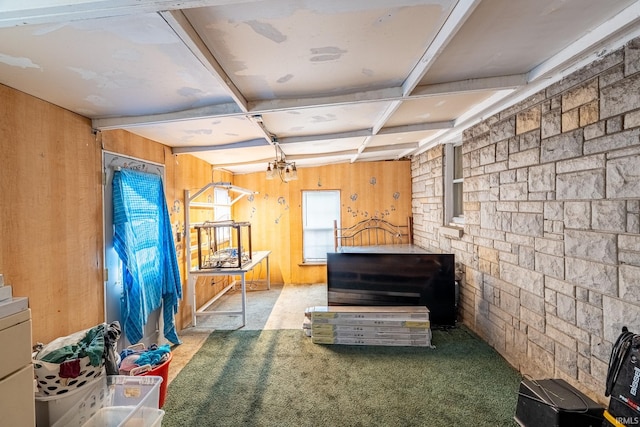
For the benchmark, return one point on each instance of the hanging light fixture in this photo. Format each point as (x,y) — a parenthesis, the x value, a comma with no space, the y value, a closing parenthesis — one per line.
(281,167)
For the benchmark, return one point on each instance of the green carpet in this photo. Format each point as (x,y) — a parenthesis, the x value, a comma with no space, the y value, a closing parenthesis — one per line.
(280,378)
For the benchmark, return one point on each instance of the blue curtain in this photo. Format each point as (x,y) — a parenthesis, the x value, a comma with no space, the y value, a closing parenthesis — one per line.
(143,240)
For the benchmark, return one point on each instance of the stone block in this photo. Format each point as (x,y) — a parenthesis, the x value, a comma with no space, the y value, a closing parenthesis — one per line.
(589,318)
(589,113)
(566,332)
(595,298)
(522,174)
(609,215)
(629,243)
(612,75)
(529,140)
(631,258)
(515,191)
(488,254)
(541,339)
(527,224)
(554,211)
(629,277)
(550,246)
(571,120)
(580,95)
(584,349)
(614,124)
(582,294)
(528,120)
(549,265)
(560,286)
(502,151)
(532,302)
(632,57)
(591,275)
(532,319)
(523,278)
(581,185)
(566,308)
(633,223)
(564,146)
(487,155)
(619,313)
(632,120)
(599,247)
(566,360)
(526,257)
(577,215)
(620,97)
(594,131)
(503,130)
(623,178)
(628,138)
(524,158)
(542,178)
(596,161)
(539,358)
(531,207)
(551,124)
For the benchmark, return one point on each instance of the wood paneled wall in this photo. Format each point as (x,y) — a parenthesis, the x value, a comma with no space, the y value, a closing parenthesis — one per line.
(367,189)
(51,216)
(51,243)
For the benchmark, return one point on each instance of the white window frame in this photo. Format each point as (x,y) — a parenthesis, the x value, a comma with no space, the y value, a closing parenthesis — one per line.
(452,218)
(326,227)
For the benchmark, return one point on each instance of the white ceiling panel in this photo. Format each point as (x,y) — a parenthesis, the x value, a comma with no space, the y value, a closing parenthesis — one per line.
(284,48)
(120,66)
(328,81)
(514,36)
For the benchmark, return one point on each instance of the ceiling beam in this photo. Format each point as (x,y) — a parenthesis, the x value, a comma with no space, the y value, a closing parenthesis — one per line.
(324,137)
(212,111)
(471,85)
(265,107)
(382,148)
(452,25)
(274,105)
(417,127)
(258,142)
(26,12)
(190,37)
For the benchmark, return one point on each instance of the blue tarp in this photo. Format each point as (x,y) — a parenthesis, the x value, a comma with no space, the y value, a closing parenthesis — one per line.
(143,240)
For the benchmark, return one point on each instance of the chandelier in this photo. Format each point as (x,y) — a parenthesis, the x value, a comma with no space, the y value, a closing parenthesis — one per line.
(280,167)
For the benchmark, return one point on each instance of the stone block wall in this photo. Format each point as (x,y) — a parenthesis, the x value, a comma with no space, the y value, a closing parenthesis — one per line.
(550,252)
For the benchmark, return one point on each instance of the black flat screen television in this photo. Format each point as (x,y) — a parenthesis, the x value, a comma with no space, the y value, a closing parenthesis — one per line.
(375,278)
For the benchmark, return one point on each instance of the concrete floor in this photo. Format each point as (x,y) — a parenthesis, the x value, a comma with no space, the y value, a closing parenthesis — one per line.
(281,307)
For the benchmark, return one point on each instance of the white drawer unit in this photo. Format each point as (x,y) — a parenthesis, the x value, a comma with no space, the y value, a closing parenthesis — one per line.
(16,372)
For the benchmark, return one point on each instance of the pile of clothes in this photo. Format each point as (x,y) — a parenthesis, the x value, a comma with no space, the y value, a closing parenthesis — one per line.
(136,361)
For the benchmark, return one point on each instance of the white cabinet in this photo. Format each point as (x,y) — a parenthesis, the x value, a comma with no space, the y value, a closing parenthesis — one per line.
(17,403)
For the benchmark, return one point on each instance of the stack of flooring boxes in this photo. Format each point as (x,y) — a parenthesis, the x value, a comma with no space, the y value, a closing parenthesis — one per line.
(364,325)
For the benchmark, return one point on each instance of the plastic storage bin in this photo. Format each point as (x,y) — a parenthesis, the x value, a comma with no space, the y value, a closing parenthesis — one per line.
(162,371)
(135,399)
(90,397)
(115,416)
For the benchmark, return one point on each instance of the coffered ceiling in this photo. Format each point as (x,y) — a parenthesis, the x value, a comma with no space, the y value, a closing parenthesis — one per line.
(328,81)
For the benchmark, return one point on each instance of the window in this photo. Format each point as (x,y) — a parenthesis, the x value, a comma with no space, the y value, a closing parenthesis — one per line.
(319,210)
(222,212)
(453,204)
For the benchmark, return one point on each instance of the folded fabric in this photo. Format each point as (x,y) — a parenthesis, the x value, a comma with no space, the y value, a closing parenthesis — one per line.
(153,357)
